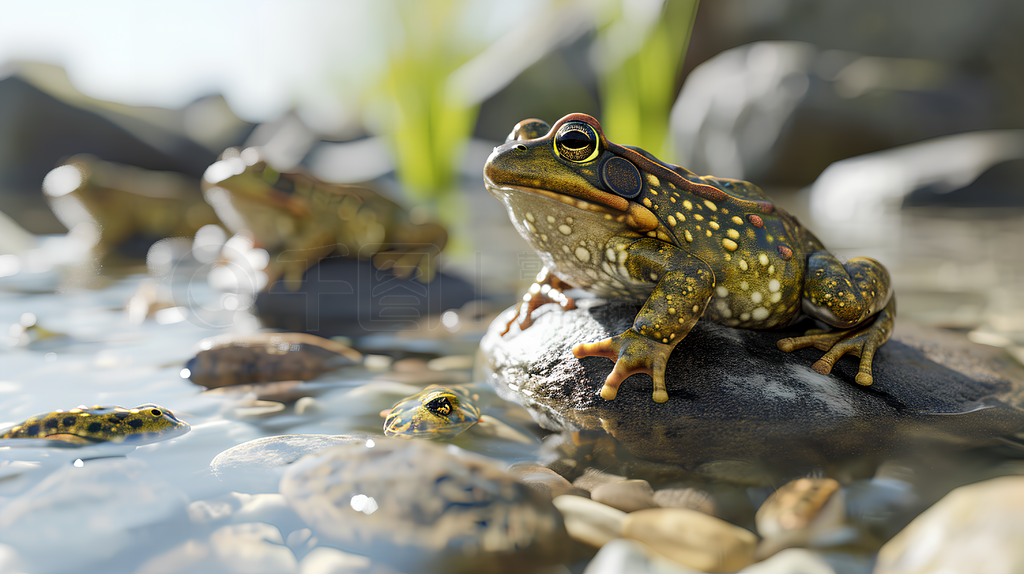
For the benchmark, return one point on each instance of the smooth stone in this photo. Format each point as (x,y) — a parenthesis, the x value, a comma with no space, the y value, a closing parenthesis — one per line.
(117,504)
(734,396)
(543,479)
(799,512)
(974,528)
(590,522)
(191,556)
(325,560)
(253,548)
(257,465)
(593,478)
(692,498)
(623,555)
(692,538)
(791,561)
(417,506)
(627,496)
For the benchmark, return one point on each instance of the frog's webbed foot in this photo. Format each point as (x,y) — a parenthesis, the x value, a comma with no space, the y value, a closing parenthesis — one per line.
(547,289)
(633,353)
(861,341)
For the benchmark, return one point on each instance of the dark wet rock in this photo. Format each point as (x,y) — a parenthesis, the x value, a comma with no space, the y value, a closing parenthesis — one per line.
(418,507)
(342,296)
(738,406)
(257,465)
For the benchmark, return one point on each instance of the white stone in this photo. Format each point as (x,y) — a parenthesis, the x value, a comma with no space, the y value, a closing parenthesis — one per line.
(692,538)
(624,556)
(252,548)
(590,522)
(791,561)
(324,560)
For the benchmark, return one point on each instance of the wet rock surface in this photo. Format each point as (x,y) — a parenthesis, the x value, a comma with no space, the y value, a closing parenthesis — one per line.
(422,509)
(738,404)
(259,464)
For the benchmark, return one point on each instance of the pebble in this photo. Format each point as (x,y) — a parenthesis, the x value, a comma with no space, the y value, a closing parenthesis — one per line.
(113,502)
(590,522)
(324,560)
(692,538)
(627,496)
(791,561)
(419,507)
(623,555)
(974,528)
(253,548)
(800,512)
(692,498)
(543,479)
(593,478)
(257,465)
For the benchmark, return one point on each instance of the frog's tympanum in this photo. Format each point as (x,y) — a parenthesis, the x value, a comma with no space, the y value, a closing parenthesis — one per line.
(619,223)
(300,219)
(87,425)
(437,413)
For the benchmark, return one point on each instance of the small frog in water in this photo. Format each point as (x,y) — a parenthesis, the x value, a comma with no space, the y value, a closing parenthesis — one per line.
(300,219)
(616,221)
(88,425)
(437,413)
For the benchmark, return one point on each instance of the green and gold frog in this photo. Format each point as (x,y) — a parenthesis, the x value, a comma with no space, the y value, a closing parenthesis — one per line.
(437,413)
(618,222)
(88,425)
(301,220)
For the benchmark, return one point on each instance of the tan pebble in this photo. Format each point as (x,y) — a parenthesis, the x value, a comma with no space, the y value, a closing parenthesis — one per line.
(593,478)
(799,512)
(692,538)
(544,480)
(691,498)
(590,522)
(627,496)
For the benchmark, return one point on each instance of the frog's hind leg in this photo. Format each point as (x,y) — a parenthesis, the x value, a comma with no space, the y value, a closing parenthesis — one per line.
(855,297)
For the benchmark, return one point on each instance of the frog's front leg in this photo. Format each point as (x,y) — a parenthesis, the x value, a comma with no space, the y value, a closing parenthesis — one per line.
(548,288)
(856,297)
(684,284)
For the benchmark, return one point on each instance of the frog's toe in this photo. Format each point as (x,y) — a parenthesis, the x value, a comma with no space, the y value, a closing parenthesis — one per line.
(632,353)
(861,344)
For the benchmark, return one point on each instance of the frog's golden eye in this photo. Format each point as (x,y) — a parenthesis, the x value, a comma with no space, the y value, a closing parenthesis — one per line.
(156,412)
(440,406)
(576,142)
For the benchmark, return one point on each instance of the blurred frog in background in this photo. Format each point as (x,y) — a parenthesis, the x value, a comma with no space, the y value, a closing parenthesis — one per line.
(300,220)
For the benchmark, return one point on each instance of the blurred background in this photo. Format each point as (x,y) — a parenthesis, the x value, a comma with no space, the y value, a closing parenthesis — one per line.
(893,128)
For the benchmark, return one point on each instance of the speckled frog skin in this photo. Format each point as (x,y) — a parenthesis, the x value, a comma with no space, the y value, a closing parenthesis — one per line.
(618,222)
(88,425)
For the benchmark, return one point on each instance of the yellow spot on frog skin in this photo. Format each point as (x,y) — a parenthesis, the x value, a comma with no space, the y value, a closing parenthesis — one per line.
(530,217)
(735,219)
(743,285)
(774,298)
(680,216)
(729,244)
(755,297)
(565,248)
(709,233)
(728,256)
(651,179)
(568,220)
(672,199)
(530,227)
(771,269)
(672,221)
(722,291)
(647,201)
(760,313)
(565,229)
(582,254)
(745,317)
(743,264)
(698,217)
(687,204)
(733,234)
(687,235)
(543,237)
(762,258)
(551,219)
(710,205)
(713,225)
(695,309)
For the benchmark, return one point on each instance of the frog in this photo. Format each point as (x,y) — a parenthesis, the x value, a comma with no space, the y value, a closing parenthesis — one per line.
(84,425)
(436,413)
(300,219)
(619,223)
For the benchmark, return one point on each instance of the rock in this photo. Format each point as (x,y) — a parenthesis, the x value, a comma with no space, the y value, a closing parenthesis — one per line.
(691,498)
(622,555)
(974,528)
(590,522)
(257,465)
(543,479)
(627,496)
(324,560)
(253,548)
(593,478)
(232,359)
(117,504)
(692,538)
(798,513)
(791,561)
(416,506)
(734,397)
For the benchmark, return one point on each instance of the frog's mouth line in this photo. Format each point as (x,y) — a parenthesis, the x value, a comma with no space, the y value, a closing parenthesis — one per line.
(635,216)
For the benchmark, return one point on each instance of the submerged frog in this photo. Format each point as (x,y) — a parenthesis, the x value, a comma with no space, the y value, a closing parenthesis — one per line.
(88,425)
(617,222)
(301,220)
(437,413)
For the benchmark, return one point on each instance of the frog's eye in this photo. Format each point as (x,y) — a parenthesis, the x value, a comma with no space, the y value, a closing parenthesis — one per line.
(156,412)
(440,406)
(576,142)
